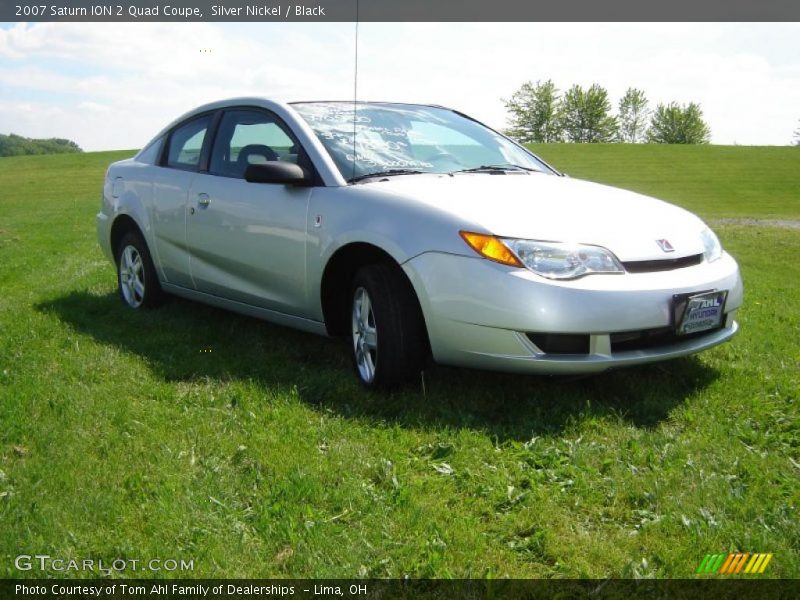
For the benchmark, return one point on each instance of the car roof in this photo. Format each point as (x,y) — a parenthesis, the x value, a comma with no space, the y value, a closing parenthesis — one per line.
(368,102)
(275,105)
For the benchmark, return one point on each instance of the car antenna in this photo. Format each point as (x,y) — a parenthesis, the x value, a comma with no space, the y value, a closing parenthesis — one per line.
(355,93)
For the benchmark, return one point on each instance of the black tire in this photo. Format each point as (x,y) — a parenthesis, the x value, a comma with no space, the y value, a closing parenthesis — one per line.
(401,342)
(131,246)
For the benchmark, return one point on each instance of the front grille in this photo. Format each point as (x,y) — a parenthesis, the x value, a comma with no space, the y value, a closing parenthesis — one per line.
(560,343)
(668,264)
(650,338)
(623,341)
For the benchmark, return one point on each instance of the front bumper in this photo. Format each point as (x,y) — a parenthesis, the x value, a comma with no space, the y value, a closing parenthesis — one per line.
(478,313)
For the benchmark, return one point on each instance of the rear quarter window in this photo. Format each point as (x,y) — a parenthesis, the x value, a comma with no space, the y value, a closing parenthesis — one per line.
(150,153)
(186,144)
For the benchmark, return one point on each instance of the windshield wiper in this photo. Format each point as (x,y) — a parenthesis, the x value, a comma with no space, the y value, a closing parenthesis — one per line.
(501,168)
(385,174)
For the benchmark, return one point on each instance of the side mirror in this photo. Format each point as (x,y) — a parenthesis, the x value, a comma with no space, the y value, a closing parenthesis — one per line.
(277,171)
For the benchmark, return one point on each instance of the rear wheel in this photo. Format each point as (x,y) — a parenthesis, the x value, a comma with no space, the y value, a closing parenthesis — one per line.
(388,340)
(136,274)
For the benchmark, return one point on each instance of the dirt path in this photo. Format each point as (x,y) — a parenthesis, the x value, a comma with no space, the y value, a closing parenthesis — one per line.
(782,223)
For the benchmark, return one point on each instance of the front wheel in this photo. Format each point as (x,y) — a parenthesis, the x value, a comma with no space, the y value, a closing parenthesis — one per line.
(136,274)
(388,339)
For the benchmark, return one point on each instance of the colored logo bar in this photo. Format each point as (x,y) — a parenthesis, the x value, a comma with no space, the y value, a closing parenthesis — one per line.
(736,562)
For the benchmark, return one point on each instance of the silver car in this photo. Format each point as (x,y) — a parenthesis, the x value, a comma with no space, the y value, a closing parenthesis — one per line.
(414,231)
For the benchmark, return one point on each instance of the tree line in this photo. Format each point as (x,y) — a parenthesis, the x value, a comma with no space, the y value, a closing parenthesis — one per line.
(540,113)
(16,145)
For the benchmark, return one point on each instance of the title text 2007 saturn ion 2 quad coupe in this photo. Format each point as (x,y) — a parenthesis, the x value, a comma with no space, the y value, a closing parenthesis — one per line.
(412,230)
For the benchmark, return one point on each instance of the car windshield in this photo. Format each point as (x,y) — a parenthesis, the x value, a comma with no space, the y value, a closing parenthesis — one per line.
(365,139)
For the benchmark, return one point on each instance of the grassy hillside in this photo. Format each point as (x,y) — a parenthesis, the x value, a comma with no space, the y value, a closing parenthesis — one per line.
(714,181)
(191,433)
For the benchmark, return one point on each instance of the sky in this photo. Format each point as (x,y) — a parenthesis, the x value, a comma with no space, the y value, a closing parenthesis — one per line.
(115,85)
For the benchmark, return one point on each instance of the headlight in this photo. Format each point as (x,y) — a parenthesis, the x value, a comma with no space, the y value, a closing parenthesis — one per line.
(548,259)
(564,261)
(713,249)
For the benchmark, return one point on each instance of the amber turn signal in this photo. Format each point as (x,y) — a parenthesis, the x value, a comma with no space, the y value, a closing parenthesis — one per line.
(490,247)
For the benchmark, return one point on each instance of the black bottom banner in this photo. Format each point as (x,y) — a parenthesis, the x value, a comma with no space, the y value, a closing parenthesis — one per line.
(190,589)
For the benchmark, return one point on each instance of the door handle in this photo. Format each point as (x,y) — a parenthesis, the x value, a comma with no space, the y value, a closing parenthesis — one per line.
(203,200)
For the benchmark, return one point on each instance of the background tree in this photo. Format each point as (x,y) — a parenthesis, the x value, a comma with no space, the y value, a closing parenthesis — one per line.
(16,145)
(585,117)
(676,124)
(534,113)
(633,116)
(797,137)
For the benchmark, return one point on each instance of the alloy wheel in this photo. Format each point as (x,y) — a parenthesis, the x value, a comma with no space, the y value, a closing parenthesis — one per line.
(131,276)
(365,335)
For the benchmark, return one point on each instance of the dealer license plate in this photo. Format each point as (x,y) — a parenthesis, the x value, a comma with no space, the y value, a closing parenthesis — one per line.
(699,312)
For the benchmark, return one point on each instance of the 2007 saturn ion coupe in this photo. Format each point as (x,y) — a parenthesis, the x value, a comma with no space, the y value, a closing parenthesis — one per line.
(413,231)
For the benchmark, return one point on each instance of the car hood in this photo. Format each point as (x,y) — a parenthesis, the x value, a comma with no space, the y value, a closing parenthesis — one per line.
(551,208)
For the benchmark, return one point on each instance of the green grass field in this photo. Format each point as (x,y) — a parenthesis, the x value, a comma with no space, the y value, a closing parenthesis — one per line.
(191,433)
(714,181)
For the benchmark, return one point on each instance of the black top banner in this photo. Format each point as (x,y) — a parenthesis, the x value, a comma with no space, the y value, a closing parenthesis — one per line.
(401,10)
